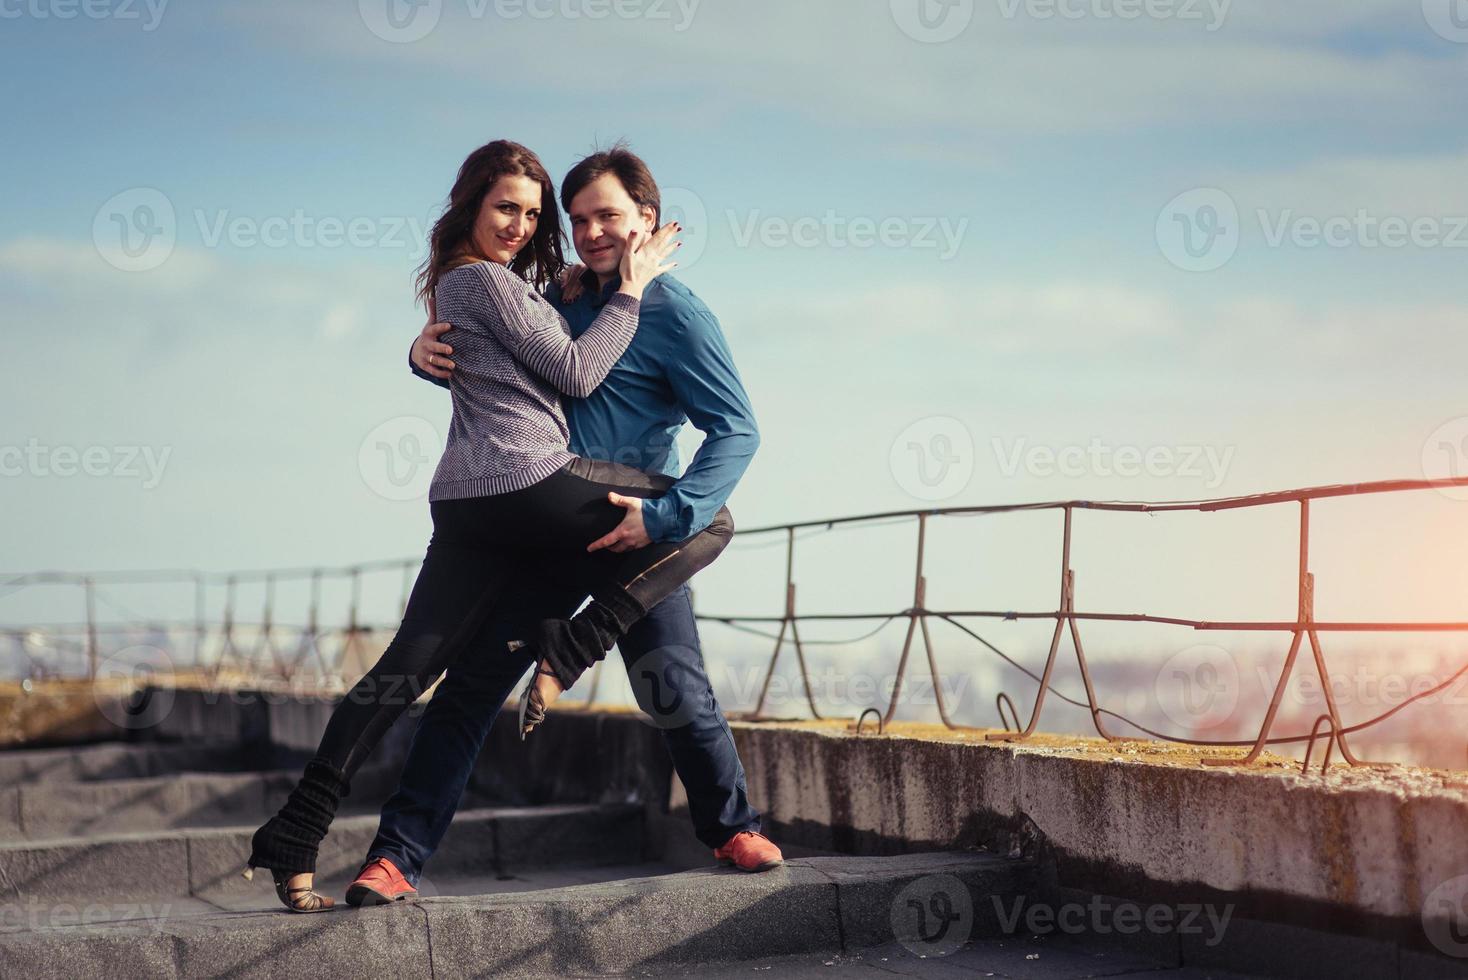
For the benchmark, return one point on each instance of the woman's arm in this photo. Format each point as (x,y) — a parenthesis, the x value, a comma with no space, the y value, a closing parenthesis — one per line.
(532,330)
(503,305)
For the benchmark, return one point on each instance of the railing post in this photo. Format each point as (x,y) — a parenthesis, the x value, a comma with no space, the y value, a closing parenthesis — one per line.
(1065,618)
(266,641)
(201,625)
(788,621)
(226,639)
(407,588)
(310,633)
(1304,605)
(90,589)
(917,612)
(1304,627)
(1065,593)
(352,641)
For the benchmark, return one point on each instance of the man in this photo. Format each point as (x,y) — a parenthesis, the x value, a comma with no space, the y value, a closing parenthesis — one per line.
(678,368)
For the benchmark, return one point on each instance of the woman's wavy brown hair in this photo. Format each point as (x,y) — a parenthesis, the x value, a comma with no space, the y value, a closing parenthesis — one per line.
(451,242)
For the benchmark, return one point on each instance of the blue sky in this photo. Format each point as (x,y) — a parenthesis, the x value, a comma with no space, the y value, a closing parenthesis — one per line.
(1059,317)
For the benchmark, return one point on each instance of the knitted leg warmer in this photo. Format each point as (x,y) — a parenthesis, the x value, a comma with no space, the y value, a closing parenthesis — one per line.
(571,647)
(288,841)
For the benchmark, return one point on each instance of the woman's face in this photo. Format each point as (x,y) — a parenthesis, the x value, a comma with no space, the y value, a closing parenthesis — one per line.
(508,217)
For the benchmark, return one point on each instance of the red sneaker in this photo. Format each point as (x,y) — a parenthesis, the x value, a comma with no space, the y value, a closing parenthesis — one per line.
(749,851)
(379,883)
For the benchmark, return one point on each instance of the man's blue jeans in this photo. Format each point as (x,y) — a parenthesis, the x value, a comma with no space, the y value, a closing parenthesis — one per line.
(664,662)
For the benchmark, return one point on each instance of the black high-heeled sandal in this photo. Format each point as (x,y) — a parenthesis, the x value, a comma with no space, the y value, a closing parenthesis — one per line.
(287,843)
(532,706)
(574,645)
(312,901)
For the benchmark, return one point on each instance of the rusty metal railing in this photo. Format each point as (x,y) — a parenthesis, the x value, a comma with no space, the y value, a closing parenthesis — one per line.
(1068,618)
(250,644)
(237,643)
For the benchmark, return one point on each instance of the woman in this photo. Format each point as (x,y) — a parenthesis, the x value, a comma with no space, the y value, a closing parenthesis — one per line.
(507,493)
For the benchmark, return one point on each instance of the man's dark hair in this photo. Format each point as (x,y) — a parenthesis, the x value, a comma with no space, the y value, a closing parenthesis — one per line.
(628,168)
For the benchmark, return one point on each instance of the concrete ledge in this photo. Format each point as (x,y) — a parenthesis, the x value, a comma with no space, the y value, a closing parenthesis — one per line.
(577,756)
(694,918)
(1355,850)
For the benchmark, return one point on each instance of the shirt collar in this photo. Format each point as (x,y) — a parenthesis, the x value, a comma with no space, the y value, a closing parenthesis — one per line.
(600,297)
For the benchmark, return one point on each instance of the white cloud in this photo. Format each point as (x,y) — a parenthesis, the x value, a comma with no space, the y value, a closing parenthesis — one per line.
(1001,318)
(197,295)
(80,265)
(341,321)
(1402,185)
(1108,323)
(1269,63)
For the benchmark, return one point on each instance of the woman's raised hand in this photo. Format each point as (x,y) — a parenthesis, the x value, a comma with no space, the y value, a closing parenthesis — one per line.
(644,258)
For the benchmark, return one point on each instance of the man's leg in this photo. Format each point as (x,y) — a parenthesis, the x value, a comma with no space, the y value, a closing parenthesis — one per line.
(455,723)
(664,662)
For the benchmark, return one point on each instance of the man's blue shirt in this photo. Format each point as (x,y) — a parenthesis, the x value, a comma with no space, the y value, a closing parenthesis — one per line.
(677,369)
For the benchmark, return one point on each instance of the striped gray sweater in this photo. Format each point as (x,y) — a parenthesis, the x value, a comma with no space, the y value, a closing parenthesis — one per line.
(513,357)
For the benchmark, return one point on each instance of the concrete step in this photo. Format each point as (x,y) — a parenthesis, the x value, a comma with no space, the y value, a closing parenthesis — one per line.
(206,864)
(47,809)
(1022,957)
(581,757)
(124,760)
(717,915)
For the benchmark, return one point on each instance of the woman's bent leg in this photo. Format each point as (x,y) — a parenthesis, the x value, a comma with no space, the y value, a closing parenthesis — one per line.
(571,509)
(623,588)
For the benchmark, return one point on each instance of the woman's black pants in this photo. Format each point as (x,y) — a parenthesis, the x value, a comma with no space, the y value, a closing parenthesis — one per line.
(477,544)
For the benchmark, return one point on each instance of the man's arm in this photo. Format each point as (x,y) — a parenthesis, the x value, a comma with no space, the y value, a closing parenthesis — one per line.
(708,387)
(429,357)
(414,356)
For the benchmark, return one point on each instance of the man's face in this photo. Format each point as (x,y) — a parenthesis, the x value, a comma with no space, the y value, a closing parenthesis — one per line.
(602,215)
